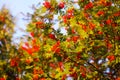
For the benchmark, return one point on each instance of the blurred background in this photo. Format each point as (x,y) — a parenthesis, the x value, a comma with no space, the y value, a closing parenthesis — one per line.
(20,9)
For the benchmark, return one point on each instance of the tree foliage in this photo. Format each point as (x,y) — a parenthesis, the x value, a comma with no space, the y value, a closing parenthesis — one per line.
(7,49)
(77,39)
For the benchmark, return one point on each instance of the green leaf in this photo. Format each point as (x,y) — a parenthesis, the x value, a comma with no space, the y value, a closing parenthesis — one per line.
(29,67)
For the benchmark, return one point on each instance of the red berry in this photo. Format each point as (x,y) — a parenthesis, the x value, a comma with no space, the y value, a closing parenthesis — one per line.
(47,4)
(75,38)
(61,5)
(83,75)
(111,57)
(13,63)
(84,27)
(57,50)
(99,13)
(108,22)
(2,78)
(52,36)
(52,65)
(35,77)
(117,14)
(100,32)
(17,78)
(86,15)
(108,4)
(36,59)
(91,25)
(117,78)
(60,64)
(2,19)
(39,24)
(32,34)
(42,79)
(73,31)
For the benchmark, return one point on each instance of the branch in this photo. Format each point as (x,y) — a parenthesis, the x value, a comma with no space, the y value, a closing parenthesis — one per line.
(98,70)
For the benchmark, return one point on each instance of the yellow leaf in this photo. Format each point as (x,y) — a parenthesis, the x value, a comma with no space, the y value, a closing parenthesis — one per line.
(90,32)
(43,9)
(83,34)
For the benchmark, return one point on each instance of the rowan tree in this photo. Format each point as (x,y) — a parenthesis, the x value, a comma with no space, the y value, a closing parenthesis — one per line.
(87,49)
(8,50)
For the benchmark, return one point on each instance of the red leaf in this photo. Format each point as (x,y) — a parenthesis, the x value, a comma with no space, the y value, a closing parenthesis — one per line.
(56,48)
(36,59)
(52,65)
(64,77)
(30,51)
(84,27)
(108,4)
(88,6)
(34,41)
(86,15)
(24,48)
(27,44)
(74,74)
(116,14)
(60,64)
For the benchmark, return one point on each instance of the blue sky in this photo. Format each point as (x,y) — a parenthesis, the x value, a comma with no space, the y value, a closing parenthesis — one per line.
(16,7)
